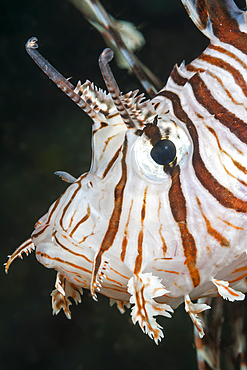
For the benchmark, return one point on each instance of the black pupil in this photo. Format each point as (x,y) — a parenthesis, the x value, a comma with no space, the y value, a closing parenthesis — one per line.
(163,152)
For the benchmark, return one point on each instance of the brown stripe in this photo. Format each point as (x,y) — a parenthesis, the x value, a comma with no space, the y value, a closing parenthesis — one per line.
(177,78)
(228,53)
(219,192)
(85,218)
(108,295)
(206,99)
(230,174)
(118,273)
(201,10)
(102,125)
(35,234)
(156,106)
(105,147)
(72,252)
(230,224)
(63,262)
(58,200)
(72,219)
(212,131)
(113,281)
(238,278)
(53,209)
(118,201)
(238,165)
(69,203)
(115,217)
(164,246)
(168,271)
(126,235)
(124,246)
(179,212)
(85,237)
(214,233)
(111,163)
(192,68)
(240,269)
(143,211)
(138,261)
(110,116)
(225,27)
(238,77)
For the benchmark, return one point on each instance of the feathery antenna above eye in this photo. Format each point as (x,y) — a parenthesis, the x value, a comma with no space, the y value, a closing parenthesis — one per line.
(62,83)
(105,57)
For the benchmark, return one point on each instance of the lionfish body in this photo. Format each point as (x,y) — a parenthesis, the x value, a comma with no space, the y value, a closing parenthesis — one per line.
(143,229)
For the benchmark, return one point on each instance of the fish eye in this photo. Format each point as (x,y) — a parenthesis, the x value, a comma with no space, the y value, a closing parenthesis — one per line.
(154,161)
(164,152)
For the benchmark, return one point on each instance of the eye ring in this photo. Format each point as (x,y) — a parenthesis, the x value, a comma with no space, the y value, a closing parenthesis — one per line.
(164,152)
(146,167)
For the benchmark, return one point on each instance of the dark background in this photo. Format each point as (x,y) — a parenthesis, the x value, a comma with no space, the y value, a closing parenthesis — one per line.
(43,131)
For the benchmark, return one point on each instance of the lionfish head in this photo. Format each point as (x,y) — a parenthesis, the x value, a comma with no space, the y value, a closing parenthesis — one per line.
(160,218)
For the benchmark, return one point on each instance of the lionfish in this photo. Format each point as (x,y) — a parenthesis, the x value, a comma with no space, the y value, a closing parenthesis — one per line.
(160,219)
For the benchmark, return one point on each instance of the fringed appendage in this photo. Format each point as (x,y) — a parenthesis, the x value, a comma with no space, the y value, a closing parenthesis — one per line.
(121,305)
(26,247)
(98,275)
(62,83)
(193,310)
(226,292)
(64,289)
(143,289)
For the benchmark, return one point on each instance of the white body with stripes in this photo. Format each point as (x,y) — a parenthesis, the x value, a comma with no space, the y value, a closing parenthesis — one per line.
(149,237)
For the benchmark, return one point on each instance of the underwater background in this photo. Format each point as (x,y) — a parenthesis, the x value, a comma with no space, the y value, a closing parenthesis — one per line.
(43,131)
